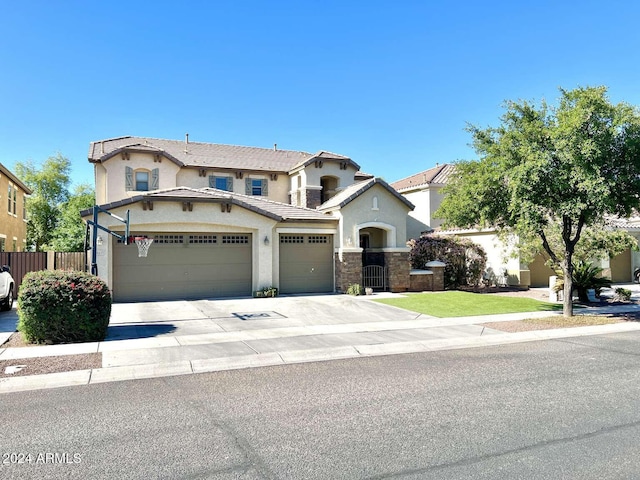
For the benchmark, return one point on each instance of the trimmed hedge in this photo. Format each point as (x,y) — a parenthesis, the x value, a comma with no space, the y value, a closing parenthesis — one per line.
(63,307)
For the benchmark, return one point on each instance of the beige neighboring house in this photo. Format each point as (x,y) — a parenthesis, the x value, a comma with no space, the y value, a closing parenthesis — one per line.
(13,200)
(229,220)
(423,189)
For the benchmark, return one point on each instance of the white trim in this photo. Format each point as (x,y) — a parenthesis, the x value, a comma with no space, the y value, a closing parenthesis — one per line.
(396,249)
(2,235)
(349,250)
(390,229)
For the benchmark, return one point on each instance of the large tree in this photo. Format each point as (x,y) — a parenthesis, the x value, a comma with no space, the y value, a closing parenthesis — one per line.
(49,183)
(69,233)
(547,167)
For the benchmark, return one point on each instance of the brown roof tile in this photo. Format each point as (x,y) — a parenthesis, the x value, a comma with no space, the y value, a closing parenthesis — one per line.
(436,175)
(212,155)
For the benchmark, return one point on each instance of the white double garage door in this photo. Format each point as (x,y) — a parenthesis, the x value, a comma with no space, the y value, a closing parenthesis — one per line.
(196,265)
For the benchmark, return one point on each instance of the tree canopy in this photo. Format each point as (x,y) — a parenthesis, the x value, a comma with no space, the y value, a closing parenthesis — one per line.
(563,167)
(53,213)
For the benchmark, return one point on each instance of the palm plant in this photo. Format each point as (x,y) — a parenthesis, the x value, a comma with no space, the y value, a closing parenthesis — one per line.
(586,276)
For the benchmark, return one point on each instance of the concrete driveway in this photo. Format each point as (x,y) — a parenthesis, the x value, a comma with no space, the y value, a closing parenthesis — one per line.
(160,332)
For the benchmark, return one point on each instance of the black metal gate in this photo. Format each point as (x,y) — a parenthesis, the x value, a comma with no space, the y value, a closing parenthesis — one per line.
(375,276)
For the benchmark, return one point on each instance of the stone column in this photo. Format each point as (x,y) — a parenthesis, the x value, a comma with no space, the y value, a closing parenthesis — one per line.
(348,269)
(398,266)
(438,274)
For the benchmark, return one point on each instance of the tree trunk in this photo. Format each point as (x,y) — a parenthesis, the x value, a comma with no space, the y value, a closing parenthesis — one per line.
(567,270)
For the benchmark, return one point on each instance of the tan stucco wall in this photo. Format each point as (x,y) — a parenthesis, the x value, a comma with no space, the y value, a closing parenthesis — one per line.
(206,217)
(310,179)
(278,190)
(13,228)
(421,218)
(114,172)
(359,213)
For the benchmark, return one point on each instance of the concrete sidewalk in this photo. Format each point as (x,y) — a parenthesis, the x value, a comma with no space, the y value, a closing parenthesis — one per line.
(173,338)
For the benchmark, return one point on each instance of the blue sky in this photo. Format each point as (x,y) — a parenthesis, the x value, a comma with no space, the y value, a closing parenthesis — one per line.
(391,84)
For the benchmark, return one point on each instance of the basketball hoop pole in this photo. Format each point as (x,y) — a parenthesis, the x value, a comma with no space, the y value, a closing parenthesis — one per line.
(94,237)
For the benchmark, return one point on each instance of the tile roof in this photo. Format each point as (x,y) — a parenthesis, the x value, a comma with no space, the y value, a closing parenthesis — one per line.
(281,212)
(353,191)
(437,175)
(631,223)
(196,154)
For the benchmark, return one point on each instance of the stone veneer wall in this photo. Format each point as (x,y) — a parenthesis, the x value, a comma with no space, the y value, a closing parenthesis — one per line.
(398,267)
(421,282)
(348,271)
(314,198)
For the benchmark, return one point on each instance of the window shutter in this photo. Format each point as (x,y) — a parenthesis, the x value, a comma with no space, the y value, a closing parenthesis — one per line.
(247,186)
(128,178)
(155,179)
(229,184)
(265,190)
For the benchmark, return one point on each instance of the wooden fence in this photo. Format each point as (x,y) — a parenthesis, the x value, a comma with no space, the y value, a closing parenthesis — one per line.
(22,263)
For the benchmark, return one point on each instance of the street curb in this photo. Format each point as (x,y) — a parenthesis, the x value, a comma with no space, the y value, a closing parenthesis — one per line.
(121,373)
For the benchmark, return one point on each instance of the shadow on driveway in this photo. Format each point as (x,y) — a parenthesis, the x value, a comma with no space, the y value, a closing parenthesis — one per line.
(129,332)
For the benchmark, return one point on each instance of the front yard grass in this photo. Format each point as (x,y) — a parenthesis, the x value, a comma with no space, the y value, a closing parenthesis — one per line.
(464,304)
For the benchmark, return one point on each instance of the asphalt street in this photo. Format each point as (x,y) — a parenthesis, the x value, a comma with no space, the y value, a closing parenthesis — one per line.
(565,408)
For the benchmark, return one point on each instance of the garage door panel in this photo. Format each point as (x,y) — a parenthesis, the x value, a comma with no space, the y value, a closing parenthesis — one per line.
(306,263)
(183,270)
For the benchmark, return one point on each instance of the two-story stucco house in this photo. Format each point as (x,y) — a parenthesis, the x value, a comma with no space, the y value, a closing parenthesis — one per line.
(228,220)
(13,201)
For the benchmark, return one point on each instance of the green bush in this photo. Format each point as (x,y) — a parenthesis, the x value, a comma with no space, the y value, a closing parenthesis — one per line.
(63,307)
(586,276)
(465,261)
(622,294)
(355,289)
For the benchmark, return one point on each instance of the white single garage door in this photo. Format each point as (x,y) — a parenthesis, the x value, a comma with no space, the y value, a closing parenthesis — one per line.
(184,266)
(306,263)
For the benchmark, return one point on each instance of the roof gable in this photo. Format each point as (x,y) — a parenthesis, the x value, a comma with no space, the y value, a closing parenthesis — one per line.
(352,192)
(438,175)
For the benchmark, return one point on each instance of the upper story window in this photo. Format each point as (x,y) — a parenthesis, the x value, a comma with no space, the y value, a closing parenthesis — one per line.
(24,207)
(221,183)
(12,199)
(255,186)
(142,180)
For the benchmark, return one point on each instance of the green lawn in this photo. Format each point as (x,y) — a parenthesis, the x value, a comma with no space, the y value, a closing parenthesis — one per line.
(463,304)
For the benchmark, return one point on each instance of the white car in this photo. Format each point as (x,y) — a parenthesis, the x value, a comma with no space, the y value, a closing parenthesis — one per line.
(6,288)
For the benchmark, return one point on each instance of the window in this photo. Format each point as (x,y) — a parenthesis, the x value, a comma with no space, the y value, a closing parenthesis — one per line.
(221,183)
(13,199)
(255,186)
(142,181)
(2,244)
(235,239)
(24,207)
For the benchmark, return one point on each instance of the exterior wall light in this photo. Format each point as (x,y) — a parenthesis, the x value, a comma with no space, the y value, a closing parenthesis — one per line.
(266,240)
(99,241)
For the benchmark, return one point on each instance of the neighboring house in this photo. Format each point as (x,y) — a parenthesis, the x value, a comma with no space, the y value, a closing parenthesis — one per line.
(228,220)
(13,201)
(424,191)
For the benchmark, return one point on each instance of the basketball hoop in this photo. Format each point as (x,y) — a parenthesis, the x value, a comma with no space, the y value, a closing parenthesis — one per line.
(143,244)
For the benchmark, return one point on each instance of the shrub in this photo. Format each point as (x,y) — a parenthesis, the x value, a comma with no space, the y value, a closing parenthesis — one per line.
(355,289)
(63,307)
(465,261)
(623,294)
(586,276)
